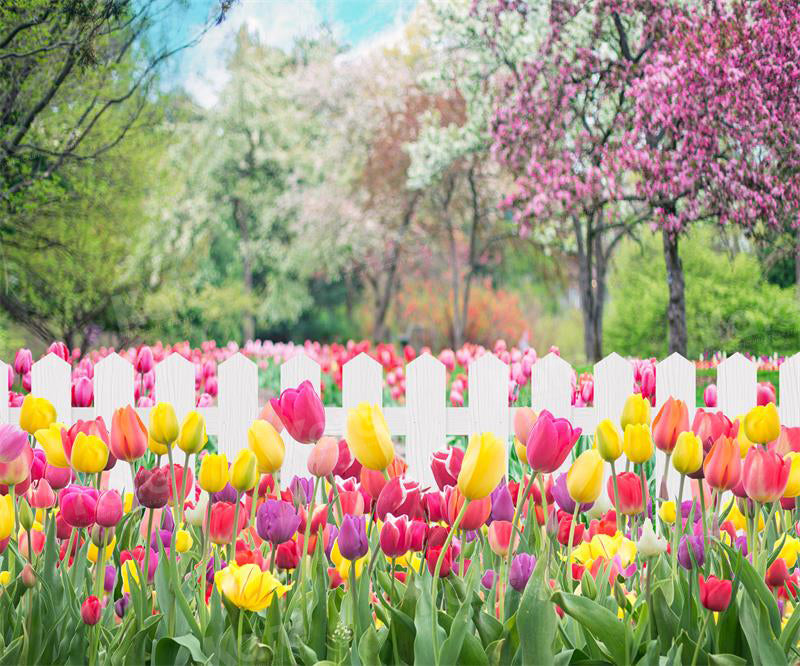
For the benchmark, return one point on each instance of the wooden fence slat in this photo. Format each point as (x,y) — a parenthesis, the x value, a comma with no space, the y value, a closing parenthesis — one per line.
(51,378)
(238,402)
(113,388)
(294,372)
(362,381)
(736,385)
(551,386)
(789,383)
(488,397)
(613,383)
(426,417)
(175,384)
(4,415)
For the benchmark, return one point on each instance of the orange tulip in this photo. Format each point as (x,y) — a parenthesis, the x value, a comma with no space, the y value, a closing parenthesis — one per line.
(723,464)
(128,434)
(672,419)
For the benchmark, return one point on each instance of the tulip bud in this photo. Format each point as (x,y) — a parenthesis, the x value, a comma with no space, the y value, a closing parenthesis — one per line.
(761,424)
(352,539)
(687,456)
(26,518)
(163,424)
(301,412)
(28,576)
(483,466)
(522,567)
(667,512)
(637,443)
(108,511)
(588,586)
(608,441)
(183,541)
(244,471)
(192,436)
(323,457)
(121,605)
(91,610)
(368,436)
(213,476)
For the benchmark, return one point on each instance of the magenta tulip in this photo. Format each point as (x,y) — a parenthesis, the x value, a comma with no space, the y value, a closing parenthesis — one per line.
(301,412)
(549,442)
(109,509)
(446,465)
(78,505)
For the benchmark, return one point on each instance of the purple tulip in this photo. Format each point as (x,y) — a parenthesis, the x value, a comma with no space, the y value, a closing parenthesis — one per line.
(521,569)
(333,533)
(276,521)
(302,488)
(110,578)
(562,498)
(227,494)
(502,504)
(12,440)
(353,537)
(210,569)
(487,580)
(121,605)
(698,550)
(741,544)
(164,536)
(167,521)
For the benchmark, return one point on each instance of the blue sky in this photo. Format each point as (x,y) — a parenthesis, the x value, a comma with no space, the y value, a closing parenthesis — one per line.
(278,22)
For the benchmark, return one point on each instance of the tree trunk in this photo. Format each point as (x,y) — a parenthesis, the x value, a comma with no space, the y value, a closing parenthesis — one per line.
(676,307)
(797,264)
(591,283)
(240,217)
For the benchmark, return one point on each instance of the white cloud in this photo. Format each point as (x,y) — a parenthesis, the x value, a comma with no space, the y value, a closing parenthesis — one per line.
(276,22)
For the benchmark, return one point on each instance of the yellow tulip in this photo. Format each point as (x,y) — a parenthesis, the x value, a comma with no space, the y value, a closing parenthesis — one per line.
(638,442)
(667,512)
(192,436)
(158,448)
(761,424)
(6,516)
(53,445)
(266,442)
(608,441)
(36,414)
(738,519)
(585,477)
(788,551)
(163,423)
(183,541)
(93,551)
(5,578)
(127,505)
(244,471)
(213,475)
(522,451)
(635,412)
(793,484)
(248,587)
(129,575)
(483,466)
(89,454)
(741,437)
(368,437)
(687,456)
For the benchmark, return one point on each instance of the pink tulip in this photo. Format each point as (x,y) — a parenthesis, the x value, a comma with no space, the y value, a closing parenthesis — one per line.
(765,393)
(41,495)
(18,470)
(395,536)
(400,497)
(788,440)
(109,509)
(549,442)
(710,395)
(12,440)
(301,412)
(323,457)
(765,475)
(524,419)
(446,465)
(78,505)
(60,350)
(144,359)
(23,361)
(82,392)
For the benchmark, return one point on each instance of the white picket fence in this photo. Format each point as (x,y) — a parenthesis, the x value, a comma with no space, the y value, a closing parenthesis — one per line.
(425,421)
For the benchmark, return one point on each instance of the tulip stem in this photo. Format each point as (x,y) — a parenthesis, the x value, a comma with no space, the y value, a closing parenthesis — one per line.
(183,483)
(146,572)
(253,502)
(677,527)
(567,568)
(645,489)
(616,494)
(203,573)
(239,637)
(174,487)
(235,529)
(339,513)
(702,494)
(664,491)
(520,499)
(700,637)
(309,518)
(544,506)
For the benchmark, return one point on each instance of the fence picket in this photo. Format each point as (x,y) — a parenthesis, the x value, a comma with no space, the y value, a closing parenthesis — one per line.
(488,397)
(613,383)
(238,402)
(789,385)
(175,384)
(736,385)
(51,379)
(294,372)
(362,381)
(113,388)
(3,393)
(426,415)
(551,386)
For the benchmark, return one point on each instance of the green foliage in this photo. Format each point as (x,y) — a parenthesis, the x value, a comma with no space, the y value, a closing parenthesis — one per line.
(729,305)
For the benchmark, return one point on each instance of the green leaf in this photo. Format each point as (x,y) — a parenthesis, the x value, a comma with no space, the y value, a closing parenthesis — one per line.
(369,647)
(451,648)
(755,586)
(764,647)
(726,660)
(601,622)
(426,624)
(536,621)
(789,634)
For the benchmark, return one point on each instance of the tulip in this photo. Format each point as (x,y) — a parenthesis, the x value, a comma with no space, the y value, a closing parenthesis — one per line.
(121,605)
(522,567)
(637,443)
(244,470)
(91,609)
(697,548)
(267,445)
(522,453)
(607,441)
(488,579)
(38,465)
(347,467)
(476,514)
(524,419)
(36,414)
(82,392)
(687,456)
(223,515)
(395,536)
(213,476)
(435,557)
(89,454)
(562,497)
(636,411)
(144,359)
(368,436)
(192,437)
(152,487)
(51,440)
(649,543)
(630,500)
(761,424)
(710,395)
(765,394)
(12,440)
(128,439)
(183,541)
(569,531)
(163,424)
(352,538)
(788,440)
(715,594)
(158,448)
(23,361)
(667,512)
(585,477)
(400,497)
(777,574)
(500,537)
(195,512)
(17,472)
(109,509)
(549,442)
(247,587)
(502,504)
(78,505)
(722,467)
(42,495)
(301,412)
(276,521)
(446,465)
(7,520)
(483,466)
(765,475)
(792,489)
(323,457)
(58,477)
(672,419)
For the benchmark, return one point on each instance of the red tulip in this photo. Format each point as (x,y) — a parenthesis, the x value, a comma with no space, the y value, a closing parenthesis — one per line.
(418,533)
(446,465)
(723,464)
(153,487)
(715,594)
(287,556)
(221,528)
(549,442)
(765,475)
(432,557)
(347,467)
(630,493)
(435,506)
(671,420)
(91,609)
(564,523)
(179,471)
(400,497)
(395,536)
(777,574)
(500,537)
